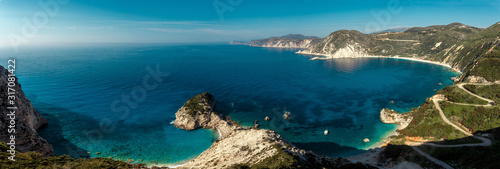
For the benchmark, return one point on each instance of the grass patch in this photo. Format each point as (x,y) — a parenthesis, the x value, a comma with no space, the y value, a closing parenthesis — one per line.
(487,68)
(489,91)
(474,118)
(427,123)
(455,94)
(34,160)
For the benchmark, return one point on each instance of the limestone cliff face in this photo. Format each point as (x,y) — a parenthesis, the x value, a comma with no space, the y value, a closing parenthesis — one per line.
(425,42)
(287,41)
(197,112)
(392,117)
(28,120)
(245,146)
(341,44)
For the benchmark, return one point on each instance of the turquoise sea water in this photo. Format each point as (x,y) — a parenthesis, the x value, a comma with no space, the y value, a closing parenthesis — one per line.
(75,87)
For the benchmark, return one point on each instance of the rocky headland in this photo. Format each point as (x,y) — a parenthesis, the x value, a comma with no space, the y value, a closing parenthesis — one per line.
(27,120)
(287,41)
(246,147)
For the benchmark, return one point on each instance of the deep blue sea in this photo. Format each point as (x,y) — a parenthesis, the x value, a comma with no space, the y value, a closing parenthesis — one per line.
(84,90)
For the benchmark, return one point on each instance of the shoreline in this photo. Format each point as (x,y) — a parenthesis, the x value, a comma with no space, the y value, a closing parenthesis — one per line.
(374,56)
(383,142)
(376,147)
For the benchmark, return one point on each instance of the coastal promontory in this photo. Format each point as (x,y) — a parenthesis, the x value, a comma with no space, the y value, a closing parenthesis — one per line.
(287,41)
(23,122)
(239,147)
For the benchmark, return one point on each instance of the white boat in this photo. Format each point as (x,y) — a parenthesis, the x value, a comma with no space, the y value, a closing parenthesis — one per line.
(326,132)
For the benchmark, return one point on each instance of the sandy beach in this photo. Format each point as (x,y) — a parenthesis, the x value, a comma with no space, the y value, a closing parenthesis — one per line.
(373,56)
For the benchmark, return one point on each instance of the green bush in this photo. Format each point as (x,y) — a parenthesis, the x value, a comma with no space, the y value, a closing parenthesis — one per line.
(196,104)
(473,118)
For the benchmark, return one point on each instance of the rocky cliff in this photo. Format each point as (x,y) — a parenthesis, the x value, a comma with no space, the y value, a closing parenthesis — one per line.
(246,147)
(287,41)
(27,120)
(341,44)
(198,112)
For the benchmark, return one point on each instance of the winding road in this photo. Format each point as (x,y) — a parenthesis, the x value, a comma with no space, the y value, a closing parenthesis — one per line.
(485,141)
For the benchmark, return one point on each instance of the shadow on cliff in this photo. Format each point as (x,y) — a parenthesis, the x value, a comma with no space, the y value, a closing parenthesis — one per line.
(53,133)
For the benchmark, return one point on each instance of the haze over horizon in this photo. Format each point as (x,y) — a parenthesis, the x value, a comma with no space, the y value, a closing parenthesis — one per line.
(65,21)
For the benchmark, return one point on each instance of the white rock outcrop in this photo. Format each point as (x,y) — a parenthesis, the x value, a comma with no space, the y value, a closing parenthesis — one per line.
(392,117)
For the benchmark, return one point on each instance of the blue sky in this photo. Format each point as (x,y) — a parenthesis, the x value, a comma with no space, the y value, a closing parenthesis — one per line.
(184,21)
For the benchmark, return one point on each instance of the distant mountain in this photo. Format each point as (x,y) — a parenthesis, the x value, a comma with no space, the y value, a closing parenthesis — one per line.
(238,43)
(287,41)
(398,29)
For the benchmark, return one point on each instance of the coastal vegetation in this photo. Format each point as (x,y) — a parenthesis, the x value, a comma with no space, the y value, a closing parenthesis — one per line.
(488,68)
(474,118)
(197,103)
(488,91)
(35,160)
(427,125)
(478,118)
(479,57)
(455,94)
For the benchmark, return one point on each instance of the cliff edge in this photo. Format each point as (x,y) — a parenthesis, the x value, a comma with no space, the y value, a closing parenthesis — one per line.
(27,120)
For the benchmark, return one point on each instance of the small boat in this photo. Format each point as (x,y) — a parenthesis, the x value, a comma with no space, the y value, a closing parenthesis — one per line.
(326,132)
